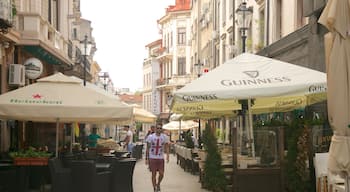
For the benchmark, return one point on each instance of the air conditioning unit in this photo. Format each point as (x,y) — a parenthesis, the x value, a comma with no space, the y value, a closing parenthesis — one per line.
(16,74)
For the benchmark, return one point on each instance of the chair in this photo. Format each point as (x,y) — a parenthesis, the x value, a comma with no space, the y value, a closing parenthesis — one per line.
(60,177)
(86,178)
(122,175)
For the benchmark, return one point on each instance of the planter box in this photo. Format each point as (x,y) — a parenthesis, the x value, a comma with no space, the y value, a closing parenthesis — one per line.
(31,161)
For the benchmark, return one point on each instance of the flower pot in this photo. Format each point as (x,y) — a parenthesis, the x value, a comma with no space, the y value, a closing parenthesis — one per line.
(30,161)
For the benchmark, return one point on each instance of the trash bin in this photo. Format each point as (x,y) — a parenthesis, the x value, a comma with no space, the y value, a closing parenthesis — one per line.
(122,175)
(137,151)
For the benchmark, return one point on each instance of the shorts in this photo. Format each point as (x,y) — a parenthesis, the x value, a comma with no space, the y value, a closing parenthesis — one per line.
(156,165)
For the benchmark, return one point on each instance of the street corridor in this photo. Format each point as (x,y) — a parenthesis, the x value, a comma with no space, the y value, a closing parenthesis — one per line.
(175,178)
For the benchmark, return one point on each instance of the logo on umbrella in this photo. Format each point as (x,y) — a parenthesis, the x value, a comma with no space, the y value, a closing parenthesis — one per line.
(37,96)
(252,74)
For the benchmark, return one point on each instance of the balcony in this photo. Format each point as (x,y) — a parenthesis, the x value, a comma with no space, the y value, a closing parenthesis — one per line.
(174,81)
(165,53)
(42,40)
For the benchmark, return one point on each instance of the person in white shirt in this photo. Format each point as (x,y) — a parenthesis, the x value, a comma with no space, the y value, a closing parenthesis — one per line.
(157,146)
(128,139)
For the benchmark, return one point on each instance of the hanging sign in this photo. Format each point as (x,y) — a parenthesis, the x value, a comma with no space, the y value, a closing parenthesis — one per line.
(34,68)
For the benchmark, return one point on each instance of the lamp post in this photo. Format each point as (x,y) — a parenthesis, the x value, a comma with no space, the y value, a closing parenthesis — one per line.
(86,46)
(244,17)
(198,67)
(104,76)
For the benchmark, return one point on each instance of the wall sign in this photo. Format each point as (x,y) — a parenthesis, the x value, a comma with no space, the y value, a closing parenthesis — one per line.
(34,68)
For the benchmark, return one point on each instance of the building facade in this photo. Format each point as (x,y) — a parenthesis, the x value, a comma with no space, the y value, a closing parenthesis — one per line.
(47,33)
(175,54)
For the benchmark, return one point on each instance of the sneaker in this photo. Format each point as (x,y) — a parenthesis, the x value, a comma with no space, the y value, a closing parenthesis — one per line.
(158,188)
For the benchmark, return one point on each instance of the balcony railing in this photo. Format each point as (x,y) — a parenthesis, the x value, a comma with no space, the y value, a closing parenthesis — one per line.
(175,80)
(34,30)
(165,52)
(162,81)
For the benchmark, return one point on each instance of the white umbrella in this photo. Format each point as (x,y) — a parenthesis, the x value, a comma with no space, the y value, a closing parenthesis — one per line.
(273,85)
(336,17)
(59,98)
(142,115)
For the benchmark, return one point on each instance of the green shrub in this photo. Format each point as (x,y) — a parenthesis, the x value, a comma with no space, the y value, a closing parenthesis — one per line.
(214,176)
(31,152)
(188,139)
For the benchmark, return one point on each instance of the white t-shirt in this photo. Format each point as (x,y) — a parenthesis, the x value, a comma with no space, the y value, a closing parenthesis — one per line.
(157,143)
(130,134)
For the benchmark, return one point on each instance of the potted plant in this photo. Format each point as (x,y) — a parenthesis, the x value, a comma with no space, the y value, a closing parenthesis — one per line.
(214,177)
(31,156)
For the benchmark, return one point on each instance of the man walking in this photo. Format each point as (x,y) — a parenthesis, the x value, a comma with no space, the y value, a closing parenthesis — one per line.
(157,145)
(128,139)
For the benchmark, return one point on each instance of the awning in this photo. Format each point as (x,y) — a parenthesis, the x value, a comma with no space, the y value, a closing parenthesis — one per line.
(45,55)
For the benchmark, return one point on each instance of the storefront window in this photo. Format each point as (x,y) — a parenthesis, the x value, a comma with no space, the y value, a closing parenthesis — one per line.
(265,150)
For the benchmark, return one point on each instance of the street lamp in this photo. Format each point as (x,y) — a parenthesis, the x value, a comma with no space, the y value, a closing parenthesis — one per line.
(86,46)
(244,17)
(104,76)
(198,68)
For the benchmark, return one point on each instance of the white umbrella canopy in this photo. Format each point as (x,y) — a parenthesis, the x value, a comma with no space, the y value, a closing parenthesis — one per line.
(180,125)
(274,85)
(142,115)
(336,17)
(59,97)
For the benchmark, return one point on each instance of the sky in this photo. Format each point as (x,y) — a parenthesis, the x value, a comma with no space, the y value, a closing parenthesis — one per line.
(121,30)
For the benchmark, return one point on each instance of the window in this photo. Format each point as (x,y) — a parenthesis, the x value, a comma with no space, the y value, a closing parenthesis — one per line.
(230,7)
(75,33)
(262,28)
(181,36)
(223,52)
(171,39)
(301,20)
(223,13)
(181,65)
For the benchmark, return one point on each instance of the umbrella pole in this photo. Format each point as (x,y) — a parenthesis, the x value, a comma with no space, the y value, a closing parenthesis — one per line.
(180,130)
(199,135)
(57,124)
(251,134)
(71,137)
(347,187)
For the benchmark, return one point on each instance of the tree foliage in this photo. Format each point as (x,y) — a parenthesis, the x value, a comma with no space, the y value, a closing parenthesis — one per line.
(214,176)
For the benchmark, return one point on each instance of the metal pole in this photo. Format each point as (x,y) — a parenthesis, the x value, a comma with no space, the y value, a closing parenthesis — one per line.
(85,47)
(244,37)
(57,132)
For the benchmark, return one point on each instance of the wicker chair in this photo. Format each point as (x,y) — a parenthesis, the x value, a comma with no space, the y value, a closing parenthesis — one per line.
(60,177)
(122,175)
(86,178)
